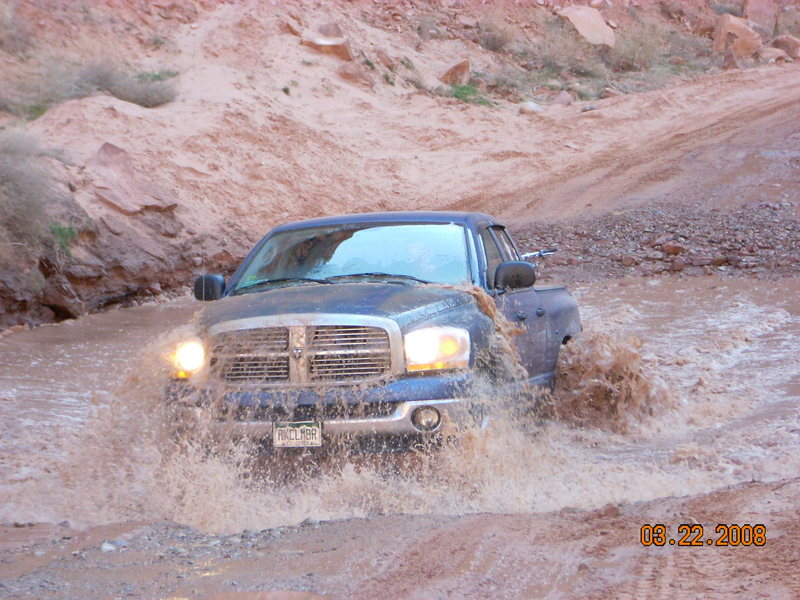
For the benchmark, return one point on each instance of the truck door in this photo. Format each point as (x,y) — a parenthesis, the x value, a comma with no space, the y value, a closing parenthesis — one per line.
(522,307)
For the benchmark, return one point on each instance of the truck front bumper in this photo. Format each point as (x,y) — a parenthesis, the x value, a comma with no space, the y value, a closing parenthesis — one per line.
(385,411)
(454,412)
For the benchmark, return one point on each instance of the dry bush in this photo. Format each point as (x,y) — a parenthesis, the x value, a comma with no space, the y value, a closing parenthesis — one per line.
(428,28)
(26,187)
(127,86)
(788,21)
(55,81)
(495,34)
(561,48)
(507,81)
(14,35)
(731,8)
(638,49)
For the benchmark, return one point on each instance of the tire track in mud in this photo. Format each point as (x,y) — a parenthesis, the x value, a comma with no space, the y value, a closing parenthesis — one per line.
(638,145)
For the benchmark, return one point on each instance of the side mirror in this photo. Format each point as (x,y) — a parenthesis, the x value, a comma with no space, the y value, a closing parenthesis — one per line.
(514,274)
(209,287)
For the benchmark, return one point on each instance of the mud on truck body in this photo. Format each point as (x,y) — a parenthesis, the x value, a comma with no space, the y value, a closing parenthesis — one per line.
(366,328)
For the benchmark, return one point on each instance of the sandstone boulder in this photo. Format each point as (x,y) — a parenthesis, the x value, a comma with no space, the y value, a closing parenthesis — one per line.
(736,35)
(590,24)
(772,54)
(355,73)
(331,30)
(671,248)
(789,44)
(117,184)
(337,46)
(530,108)
(564,98)
(60,297)
(677,264)
(764,13)
(456,74)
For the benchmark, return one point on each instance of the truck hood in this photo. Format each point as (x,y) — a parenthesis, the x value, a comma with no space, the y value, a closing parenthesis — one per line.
(406,304)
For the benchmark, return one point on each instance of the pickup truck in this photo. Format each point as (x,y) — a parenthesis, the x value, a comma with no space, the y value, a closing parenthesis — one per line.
(373,328)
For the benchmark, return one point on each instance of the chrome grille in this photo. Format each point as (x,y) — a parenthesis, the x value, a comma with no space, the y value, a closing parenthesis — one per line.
(349,352)
(302,354)
(259,355)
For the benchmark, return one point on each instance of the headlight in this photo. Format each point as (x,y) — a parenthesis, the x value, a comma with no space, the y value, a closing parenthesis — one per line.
(436,348)
(189,358)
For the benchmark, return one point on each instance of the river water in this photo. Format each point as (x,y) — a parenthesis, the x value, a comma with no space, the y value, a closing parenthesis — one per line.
(678,386)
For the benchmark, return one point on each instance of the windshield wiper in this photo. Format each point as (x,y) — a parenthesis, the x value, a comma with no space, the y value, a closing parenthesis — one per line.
(337,277)
(260,282)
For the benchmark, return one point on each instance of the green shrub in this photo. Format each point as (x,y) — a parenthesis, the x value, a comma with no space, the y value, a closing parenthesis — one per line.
(63,235)
(161,75)
(469,93)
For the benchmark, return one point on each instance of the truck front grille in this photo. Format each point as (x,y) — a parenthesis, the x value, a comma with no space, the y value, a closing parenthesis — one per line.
(348,353)
(252,355)
(314,354)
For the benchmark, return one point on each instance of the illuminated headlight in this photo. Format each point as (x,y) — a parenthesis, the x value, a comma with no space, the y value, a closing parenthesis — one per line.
(189,358)
(437,348)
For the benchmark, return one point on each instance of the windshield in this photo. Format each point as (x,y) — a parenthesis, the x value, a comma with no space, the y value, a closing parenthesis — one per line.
(431,252)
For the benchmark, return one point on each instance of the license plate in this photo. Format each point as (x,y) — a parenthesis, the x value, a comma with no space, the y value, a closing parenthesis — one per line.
(299,434)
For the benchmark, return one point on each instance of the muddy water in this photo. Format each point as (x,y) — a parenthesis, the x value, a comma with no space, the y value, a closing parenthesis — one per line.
(682,386)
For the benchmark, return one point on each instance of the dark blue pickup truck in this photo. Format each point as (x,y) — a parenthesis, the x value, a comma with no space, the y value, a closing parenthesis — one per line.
(375,326)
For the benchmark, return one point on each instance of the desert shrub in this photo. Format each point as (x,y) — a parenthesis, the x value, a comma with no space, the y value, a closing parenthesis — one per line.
(562,48)
(56,82)
(494,34)
(789,21)
(506,81)
(470,94)
(26,186)
(63,235)
(161,75)
(638,49)
(730,8)
(146,89)
(427,28)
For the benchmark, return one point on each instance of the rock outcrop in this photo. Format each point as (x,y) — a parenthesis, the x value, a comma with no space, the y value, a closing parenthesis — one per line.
(118,186)
(590,24)
(456,74)
(735,35)
(789,44)
(763,13)
(355,73)
(337,46)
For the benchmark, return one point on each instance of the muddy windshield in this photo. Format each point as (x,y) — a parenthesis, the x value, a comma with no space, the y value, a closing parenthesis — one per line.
(430,252)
